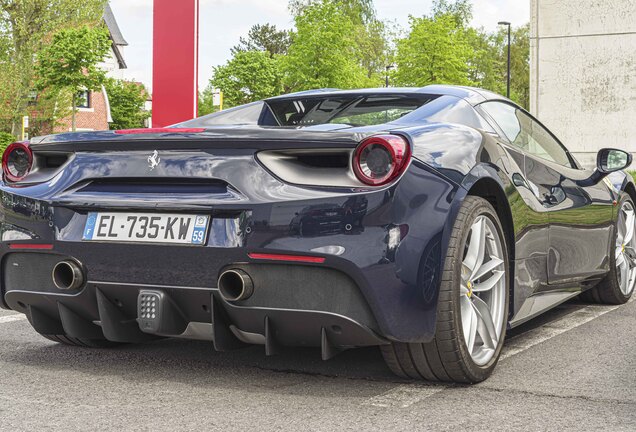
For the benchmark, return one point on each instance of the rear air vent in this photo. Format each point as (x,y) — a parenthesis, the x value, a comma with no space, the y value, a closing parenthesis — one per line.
(53,161)
(311,167)
(46,165)
(338,160)
(155,186)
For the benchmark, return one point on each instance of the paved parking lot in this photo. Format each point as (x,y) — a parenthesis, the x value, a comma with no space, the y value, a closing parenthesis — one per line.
(571,370)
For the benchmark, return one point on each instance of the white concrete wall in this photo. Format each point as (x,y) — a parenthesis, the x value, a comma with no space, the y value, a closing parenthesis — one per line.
(583,73)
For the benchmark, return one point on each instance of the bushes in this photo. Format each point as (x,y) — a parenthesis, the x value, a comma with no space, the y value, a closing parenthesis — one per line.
(127,100)
(5,140)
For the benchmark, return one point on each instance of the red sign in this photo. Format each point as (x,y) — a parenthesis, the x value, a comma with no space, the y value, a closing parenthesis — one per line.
(176,61)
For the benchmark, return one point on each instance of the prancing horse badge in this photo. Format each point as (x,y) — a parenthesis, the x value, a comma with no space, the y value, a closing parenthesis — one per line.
(154,160)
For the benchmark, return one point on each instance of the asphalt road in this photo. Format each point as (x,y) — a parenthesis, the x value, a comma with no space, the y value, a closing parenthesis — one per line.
(573,369)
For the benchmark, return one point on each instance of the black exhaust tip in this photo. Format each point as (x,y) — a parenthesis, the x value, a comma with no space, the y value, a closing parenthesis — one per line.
(235,285)
(67,275)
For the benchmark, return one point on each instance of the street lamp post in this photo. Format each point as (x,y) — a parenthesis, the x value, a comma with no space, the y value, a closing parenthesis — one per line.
(506,23)
(388,68)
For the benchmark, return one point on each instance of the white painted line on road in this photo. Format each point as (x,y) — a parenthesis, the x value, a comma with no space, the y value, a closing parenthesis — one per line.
(12,318)
(403,396)
(527,340)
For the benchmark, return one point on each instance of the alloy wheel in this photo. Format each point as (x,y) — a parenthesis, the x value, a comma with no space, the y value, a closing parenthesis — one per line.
(482,290)
(625,254)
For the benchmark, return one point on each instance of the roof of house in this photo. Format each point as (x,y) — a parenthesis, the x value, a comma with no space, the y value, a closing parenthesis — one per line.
(115,34)
(113,27)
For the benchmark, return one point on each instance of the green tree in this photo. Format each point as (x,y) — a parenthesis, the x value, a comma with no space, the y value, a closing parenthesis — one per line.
(206,101)
(362,10)
(26,26)
(249,76)
(488,62)
(5,140)
(520,66)
(265,37)
(443,48)
(71,62)
(127,103)
(460,10)
(371,36)
(485,67)
(436,51)
(325,51)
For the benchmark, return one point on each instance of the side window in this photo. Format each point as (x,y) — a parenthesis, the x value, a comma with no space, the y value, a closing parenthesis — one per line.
(524,132)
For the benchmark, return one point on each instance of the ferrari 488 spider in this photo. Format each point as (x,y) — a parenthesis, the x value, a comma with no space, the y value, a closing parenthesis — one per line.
(423,221)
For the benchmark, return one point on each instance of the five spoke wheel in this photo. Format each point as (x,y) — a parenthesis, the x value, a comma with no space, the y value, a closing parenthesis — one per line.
(626,248)
(472,308)
(482,291)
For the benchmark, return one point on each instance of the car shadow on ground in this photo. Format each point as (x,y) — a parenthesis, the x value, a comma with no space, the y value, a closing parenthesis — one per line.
(197,363)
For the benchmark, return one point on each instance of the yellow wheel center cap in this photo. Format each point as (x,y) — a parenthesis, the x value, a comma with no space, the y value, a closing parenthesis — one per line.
(469,285)
(623,248)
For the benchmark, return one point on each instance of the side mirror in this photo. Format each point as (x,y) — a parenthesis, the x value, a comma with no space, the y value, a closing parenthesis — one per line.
(607,161)
(611,160)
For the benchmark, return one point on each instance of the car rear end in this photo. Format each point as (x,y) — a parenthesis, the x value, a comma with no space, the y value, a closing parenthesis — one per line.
(190,233)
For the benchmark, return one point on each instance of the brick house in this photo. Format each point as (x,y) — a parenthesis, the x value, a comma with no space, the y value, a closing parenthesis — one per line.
(94,109)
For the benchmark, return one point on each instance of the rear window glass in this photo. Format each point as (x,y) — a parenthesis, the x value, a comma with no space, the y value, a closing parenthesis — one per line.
(349,110)
(342,109)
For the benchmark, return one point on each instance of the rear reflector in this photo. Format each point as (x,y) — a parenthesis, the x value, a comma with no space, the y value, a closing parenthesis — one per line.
(288,258)
(32,246)
(158,131)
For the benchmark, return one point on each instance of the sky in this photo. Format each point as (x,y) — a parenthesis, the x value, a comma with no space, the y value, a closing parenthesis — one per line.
(223,22)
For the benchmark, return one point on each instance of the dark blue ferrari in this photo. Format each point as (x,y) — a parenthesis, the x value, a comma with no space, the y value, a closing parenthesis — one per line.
(423,221)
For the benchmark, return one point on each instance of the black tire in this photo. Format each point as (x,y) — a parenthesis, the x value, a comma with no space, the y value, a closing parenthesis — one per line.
(85,343)
(446,358)
(608,291)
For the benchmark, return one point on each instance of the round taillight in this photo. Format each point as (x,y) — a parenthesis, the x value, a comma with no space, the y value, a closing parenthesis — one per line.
(381,158)
(17,161)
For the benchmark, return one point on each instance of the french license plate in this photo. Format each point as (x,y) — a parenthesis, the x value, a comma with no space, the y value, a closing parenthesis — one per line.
(146,228)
